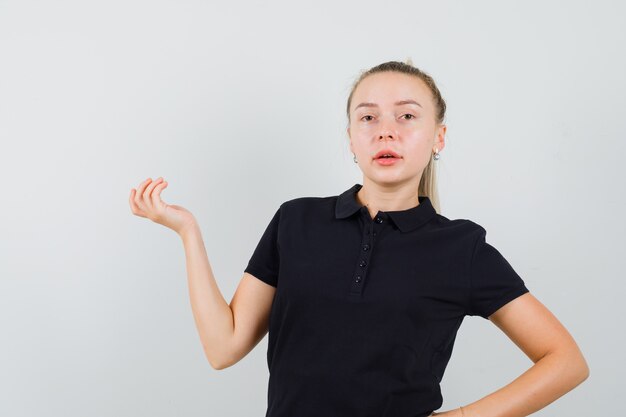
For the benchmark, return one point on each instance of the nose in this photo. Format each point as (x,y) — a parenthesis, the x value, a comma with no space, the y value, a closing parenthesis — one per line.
(386,131)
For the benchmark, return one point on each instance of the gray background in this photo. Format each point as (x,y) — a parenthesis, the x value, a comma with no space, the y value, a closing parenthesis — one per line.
(241,106)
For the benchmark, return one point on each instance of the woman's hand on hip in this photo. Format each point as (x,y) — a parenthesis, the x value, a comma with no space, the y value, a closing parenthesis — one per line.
(450,413)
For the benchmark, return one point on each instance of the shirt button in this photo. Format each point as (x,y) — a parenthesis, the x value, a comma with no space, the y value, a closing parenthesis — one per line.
(366,246)
(363,263)
(374,233)
(379,220)
(358,278)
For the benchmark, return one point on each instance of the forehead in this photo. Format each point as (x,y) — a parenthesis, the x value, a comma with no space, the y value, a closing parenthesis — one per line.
(386,88)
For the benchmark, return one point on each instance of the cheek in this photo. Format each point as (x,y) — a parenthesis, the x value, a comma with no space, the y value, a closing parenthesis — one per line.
(418,148)
(360,140)
(362,130)
(416,141)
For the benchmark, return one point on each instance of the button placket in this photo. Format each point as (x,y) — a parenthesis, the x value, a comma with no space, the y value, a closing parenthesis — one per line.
(367,245)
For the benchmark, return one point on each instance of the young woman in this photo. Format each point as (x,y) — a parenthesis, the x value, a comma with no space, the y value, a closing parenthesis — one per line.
(363,292)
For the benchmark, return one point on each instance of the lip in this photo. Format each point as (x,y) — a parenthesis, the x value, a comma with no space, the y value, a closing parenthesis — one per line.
(386,151)
(387,161)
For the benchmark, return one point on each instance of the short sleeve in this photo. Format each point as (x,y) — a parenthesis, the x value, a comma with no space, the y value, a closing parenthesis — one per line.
(493,281)
(265,259)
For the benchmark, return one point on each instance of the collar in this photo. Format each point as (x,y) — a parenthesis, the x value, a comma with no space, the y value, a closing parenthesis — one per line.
(406,220)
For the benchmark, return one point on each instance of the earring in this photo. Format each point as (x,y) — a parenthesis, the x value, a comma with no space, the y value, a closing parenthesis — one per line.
(436,157)
(355,161)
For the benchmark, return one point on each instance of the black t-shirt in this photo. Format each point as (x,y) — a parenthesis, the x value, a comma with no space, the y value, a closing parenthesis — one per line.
(366,310)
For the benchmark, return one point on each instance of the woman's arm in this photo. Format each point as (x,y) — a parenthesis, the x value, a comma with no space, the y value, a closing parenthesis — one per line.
(211,312)
(228,332)
(559,364)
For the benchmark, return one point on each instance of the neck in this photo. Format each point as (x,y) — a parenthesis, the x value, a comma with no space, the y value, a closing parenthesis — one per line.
(387,198)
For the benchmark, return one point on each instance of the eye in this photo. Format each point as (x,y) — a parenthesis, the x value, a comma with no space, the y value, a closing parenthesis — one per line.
(409,114)
(365,117)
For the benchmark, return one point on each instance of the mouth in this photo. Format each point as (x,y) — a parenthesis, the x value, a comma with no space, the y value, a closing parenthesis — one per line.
(385,161)
(387,154)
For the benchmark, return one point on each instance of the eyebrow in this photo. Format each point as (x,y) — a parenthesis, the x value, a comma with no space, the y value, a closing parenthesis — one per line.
(398,103)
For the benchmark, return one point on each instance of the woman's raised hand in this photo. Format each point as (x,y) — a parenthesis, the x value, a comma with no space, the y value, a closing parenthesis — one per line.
(146,201)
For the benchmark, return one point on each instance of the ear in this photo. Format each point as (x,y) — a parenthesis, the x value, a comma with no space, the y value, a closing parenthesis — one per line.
(440,142)
(349,139)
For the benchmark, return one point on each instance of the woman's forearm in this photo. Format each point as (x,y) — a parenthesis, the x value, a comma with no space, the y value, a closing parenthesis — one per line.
(548,379)
(212,313)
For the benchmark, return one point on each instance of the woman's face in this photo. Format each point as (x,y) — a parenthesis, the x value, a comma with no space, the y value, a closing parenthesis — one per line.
(379,122)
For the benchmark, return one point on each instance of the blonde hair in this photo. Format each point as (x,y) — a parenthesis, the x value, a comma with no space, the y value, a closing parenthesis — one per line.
(428,182)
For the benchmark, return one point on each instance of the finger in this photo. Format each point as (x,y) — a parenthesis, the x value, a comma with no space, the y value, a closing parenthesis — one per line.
(148,191)
(143,185)
(156,194)
(131,201)
(139,193)
(133,206)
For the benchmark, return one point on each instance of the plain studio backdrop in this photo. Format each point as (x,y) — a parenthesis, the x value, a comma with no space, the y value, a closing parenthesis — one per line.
(241,106)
